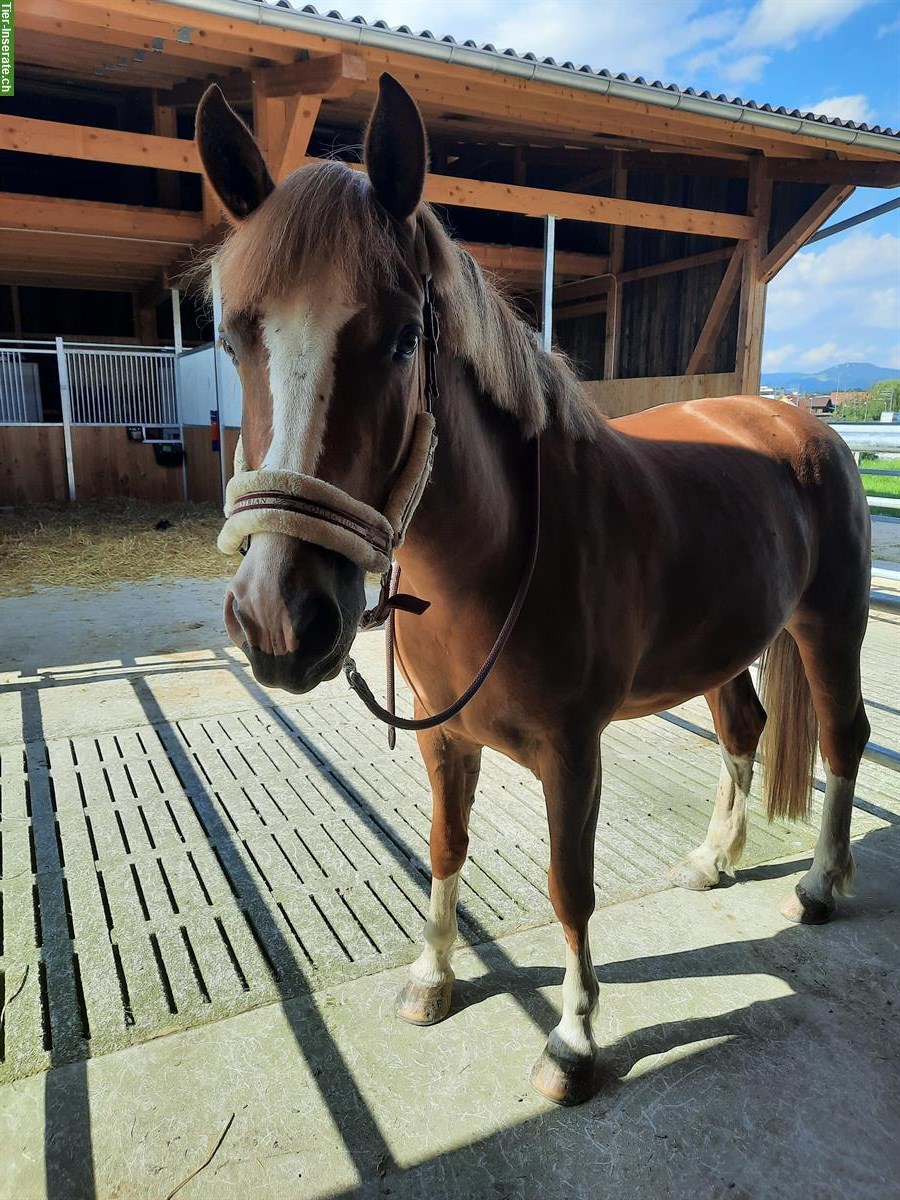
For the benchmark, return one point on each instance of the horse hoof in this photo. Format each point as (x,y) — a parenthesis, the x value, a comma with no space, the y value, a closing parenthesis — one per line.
(567,1082)
(424,1005)
(803,909)
(689,874)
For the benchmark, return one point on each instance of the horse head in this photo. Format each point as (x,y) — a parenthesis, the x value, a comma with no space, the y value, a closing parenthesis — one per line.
(323,292)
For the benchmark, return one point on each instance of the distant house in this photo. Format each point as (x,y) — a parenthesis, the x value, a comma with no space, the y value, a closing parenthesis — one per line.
(817,404)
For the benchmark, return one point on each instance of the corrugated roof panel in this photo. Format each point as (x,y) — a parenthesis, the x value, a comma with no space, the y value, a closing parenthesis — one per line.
(333,16)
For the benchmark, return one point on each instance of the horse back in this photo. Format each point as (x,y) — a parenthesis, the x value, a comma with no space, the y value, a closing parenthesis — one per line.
(757,503)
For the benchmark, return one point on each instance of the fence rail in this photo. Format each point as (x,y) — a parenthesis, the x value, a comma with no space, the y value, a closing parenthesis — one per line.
(107,384)
(122,387)
(873,437)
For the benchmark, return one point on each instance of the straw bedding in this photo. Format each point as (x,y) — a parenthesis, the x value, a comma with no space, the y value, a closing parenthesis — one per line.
(99,544)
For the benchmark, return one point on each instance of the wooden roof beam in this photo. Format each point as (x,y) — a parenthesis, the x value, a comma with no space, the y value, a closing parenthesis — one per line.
(56,17)
(337,76)
(835,171)
(814,217)
(719,310)
(167,21)
(67,53)
(603,210)
(527,260)
(331,75)
(60,140)
(75,282)
(51,215)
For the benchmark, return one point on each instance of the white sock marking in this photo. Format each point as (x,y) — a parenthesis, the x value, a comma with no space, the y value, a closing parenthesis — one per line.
(432,967)
(573,1037)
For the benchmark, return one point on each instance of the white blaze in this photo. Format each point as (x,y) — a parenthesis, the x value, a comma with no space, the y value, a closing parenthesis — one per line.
(301,338)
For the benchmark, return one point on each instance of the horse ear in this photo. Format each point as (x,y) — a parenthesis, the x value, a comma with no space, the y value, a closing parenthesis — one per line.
(396,154)
(231,159)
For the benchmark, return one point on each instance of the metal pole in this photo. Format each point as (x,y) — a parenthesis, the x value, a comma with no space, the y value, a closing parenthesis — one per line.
(547,287)
(176,320)
(852,222)
(217,321)
(65,397)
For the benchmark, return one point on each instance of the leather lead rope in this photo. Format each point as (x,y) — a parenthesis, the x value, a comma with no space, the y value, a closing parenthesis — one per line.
(387,715)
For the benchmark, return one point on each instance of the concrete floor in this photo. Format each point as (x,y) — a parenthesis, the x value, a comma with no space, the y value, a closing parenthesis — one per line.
(746,1057)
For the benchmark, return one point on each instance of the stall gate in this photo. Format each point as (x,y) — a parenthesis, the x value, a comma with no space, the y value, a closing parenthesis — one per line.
(86,421)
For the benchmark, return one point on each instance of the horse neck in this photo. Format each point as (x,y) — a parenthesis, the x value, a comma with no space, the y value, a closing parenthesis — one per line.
(473,520)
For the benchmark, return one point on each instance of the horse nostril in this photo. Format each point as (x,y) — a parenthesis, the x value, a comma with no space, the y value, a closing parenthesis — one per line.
(246,623)
(318,627)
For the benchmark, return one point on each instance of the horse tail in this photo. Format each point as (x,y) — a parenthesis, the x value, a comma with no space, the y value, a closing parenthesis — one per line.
(788,743)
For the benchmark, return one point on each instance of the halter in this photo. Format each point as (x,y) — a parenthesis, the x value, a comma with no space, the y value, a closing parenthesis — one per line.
(313,510)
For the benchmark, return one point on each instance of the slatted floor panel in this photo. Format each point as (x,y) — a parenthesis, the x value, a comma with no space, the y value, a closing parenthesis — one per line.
(169,875)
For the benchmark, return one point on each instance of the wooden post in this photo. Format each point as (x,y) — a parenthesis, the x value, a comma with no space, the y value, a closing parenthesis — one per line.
(165,124)
(144,320)
(290,151)
(16,310)
(616,263)
(65,397)
(751,318)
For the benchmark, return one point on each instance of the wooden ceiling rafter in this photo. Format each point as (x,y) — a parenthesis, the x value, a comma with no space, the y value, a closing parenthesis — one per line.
(38,16)
(76,281)
(128,222)
(500,95)
(289,75)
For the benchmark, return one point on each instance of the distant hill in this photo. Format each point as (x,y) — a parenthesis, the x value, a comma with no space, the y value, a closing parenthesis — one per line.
(846,377)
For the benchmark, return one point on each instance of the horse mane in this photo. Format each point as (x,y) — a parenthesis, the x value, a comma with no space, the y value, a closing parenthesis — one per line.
(324,217)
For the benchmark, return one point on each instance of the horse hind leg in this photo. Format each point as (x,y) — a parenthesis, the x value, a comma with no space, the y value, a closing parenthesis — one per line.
(830,658)
(739,718)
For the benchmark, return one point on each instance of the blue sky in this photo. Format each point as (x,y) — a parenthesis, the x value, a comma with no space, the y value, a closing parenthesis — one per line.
(838,301)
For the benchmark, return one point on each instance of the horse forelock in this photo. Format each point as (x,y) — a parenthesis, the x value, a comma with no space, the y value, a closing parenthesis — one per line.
(323,222)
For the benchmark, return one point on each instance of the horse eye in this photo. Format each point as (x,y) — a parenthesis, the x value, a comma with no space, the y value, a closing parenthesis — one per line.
(228,348)
(407,343)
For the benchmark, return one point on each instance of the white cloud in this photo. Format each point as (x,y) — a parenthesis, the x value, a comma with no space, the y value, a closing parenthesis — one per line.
(782,23)
(886,30)
(840,303)
(848,108)
(747,69)
(643,37)
(769,27)
(784,356)
(828,354)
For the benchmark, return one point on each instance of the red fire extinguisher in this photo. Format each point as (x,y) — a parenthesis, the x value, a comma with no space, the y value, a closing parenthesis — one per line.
(214,429)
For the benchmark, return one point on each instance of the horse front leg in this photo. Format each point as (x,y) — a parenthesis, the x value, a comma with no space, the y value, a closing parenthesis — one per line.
(453,767)
(567,1071)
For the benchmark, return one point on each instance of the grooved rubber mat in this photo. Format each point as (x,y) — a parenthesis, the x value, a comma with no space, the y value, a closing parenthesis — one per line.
(172,874)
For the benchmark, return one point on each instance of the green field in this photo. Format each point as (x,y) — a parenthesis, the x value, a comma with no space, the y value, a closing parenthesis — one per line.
(883,485)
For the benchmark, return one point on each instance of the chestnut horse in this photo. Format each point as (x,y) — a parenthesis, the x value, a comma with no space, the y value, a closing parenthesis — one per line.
(676,546)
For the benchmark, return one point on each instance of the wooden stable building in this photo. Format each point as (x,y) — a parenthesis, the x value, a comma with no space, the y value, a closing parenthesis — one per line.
(643,220)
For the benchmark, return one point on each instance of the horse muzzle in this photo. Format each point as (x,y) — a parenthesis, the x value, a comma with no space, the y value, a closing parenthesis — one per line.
(294,609)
